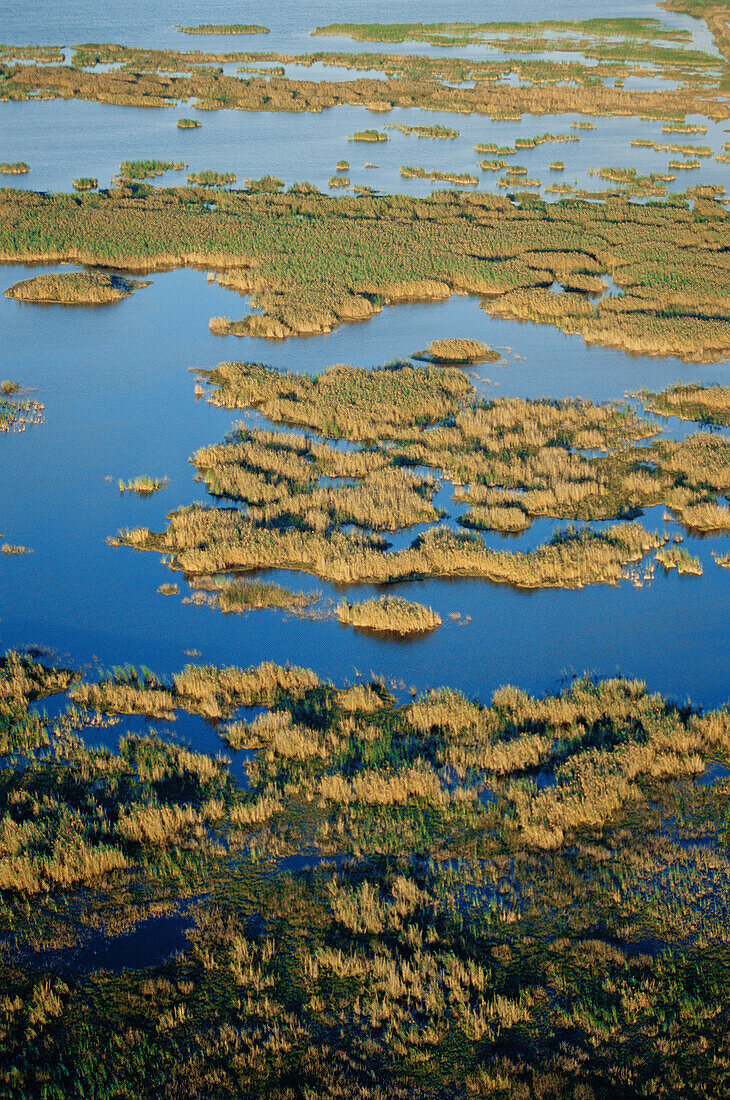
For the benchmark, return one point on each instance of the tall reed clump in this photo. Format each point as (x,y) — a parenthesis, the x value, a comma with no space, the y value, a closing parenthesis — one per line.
(143,486)
(83,288)
(389,615)
(458,350)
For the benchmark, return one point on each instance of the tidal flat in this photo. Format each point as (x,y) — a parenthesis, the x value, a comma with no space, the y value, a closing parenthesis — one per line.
(364,708)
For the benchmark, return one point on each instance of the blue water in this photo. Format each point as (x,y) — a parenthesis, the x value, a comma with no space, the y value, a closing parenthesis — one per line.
(119,395)
(119,401)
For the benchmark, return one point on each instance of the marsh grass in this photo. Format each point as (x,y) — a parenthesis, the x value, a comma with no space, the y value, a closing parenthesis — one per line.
(148,169)
(414,906)
(210,178)
(706,404)
(236,595)
(461,179)
(75,288)
(675,558)
(358,253)
(458,351)
(425,131)
(389,615)
(85,183)
(14,168)
(189,124)
(16,414)
(143,485)
(224,28)
(510,461)
(372,136)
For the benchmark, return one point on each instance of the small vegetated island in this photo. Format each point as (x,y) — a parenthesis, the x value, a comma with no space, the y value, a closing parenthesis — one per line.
(84,288)
(225,28)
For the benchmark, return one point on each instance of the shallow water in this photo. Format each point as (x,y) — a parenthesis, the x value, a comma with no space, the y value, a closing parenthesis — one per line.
(119,401)
(64,139)
(67,22)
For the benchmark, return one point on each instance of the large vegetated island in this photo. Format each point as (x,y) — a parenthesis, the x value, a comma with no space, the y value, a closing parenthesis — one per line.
(311,262)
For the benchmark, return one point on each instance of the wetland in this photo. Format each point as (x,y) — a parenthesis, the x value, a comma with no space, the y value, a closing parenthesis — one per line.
(364,709)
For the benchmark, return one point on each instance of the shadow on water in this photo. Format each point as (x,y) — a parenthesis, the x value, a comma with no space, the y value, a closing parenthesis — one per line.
(150,943)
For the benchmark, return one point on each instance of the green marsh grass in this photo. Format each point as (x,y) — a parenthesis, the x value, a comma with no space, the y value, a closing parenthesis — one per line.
(224,28)
(148,169)
(210,178)
(372,136)
(360,252)
(388,876)
(143,486)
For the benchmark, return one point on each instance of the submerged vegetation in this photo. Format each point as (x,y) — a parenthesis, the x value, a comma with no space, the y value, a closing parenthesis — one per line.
(474,878)
(310,262)
(81,288)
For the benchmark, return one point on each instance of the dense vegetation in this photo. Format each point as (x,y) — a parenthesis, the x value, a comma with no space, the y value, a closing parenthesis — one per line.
(526,898)
(225,28)
(82,288)
(547,85)
(308,505)
(311,261)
